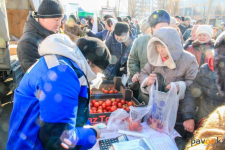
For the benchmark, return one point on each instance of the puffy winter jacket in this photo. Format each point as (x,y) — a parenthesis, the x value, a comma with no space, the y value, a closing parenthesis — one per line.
(181,67)
(202,52)
(203,87)
(33,35)
(52,101)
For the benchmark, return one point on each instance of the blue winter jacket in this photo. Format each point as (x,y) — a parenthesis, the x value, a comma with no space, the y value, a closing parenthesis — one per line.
(50,105)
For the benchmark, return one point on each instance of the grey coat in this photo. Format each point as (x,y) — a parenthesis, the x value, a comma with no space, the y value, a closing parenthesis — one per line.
(181,66)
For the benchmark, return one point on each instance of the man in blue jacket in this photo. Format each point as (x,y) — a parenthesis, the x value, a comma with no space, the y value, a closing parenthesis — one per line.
(51,104)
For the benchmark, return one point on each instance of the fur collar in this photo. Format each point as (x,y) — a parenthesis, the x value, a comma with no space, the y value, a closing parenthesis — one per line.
(197,43)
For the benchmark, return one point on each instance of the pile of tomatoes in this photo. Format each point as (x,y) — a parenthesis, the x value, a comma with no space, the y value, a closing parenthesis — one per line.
(109,90)
(109,105)
(133,125)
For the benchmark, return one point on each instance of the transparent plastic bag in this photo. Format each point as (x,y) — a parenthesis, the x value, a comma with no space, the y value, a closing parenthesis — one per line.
(116,120)
(133,122)
(163,113)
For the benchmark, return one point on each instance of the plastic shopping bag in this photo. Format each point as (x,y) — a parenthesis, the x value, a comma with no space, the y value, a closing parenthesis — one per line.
(163,113)
(133,121)
(116,120)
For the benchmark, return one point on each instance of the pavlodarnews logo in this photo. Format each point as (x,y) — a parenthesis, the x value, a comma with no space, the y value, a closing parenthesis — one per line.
(207,141)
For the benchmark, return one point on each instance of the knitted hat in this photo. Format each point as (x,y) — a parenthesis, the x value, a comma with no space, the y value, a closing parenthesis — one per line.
(205,29)
(83,21)
(158,16)
(107,17)
(187,18)
(50,9)
(95,51)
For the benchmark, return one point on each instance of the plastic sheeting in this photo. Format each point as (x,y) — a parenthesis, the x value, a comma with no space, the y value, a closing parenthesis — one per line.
(4,32)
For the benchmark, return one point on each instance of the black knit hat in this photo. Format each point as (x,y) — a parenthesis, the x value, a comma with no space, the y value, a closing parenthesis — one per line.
(95,51)
(158,16)
(50,9)
(107,17)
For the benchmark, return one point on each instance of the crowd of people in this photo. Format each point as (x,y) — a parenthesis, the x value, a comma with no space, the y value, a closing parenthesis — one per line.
(52,99)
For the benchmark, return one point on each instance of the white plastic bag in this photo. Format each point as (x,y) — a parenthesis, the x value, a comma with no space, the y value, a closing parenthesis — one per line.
(133,122)
(163,113)
(116,120)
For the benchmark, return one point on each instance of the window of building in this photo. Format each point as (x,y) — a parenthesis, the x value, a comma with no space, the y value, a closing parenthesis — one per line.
(181,11)
(199,11)
(187,11)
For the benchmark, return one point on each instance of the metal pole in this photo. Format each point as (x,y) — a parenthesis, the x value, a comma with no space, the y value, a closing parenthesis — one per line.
(119,9)
(151,1)
(208,15)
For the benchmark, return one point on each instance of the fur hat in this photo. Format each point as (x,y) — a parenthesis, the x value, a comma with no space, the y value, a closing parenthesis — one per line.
(96,51)
(158,16)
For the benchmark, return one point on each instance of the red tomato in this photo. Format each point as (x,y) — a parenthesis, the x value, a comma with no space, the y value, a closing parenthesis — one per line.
(119,105)
(112,88)
(123,101)
(91,104)
(130,103)
(115,91)
(139,128)
(94,111)
(108,108)
(134,124)
(113,108)
(107,103)
(103,89)
(94,108)
(126,102)
(100,103)
(125,106)
(91,92)
(93,101)
(111,92)
(114,104)
(99,111)
(131,127)
(100,107)
(118,100)
(90,111)
(108,88)
(105,111)
(113,100)
(127,109)
(96,104)
(103,105)
(106,91)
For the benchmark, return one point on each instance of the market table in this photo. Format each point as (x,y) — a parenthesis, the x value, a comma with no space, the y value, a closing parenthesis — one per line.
(147,131)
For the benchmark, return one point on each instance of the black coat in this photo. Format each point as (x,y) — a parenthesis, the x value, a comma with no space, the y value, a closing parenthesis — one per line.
(33,35)
(117,49)
(203,86)
(182,28)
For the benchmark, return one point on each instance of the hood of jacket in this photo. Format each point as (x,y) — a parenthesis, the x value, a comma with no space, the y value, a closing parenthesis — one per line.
(60,44)
(33,26)
(170,38)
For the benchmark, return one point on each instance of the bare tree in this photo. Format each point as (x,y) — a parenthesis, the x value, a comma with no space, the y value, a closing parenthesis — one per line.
(171,6)
(132,8)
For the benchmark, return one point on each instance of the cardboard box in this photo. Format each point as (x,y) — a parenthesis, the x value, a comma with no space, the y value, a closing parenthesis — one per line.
(13,49)
(125,94)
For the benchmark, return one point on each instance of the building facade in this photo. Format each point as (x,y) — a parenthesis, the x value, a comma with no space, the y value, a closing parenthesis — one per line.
(199,9)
